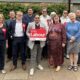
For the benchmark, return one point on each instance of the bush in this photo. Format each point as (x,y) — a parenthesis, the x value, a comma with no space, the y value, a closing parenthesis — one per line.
(6,7)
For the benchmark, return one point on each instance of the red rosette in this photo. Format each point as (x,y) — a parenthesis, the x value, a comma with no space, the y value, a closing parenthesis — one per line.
(4,31)
(24,27)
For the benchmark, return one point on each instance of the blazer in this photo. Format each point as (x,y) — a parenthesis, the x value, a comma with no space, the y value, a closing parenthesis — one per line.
(32,26)
(12,28)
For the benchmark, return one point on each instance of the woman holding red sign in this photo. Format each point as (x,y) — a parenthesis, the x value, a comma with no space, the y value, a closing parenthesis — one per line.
(2,43)
(36,31)
(56,43)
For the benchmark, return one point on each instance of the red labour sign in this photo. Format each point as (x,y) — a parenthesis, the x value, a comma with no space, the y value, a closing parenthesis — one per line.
(38,34)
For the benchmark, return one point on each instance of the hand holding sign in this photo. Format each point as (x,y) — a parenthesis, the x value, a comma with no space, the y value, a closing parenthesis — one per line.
(38,34)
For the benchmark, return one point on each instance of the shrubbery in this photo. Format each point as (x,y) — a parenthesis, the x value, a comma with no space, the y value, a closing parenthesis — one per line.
(6,7)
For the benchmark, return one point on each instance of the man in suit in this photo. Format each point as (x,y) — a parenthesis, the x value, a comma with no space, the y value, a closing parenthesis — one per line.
(17,32)
(36,46)
(9,51)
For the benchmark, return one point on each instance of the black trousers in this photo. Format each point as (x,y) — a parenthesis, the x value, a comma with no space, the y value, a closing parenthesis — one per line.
(18,43)
(9,50)
(45,51)
(2,54)
(79,58)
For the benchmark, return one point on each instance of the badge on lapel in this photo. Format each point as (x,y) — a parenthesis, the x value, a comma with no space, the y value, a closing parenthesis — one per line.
(4,31)
(24,27)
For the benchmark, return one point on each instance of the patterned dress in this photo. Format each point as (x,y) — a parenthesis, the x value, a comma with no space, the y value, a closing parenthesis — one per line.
(56,37)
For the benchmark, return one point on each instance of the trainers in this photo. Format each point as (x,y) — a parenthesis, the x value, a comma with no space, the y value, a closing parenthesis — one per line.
(40,67)
(67,56)
(31,71)
(58,68)
(3,71)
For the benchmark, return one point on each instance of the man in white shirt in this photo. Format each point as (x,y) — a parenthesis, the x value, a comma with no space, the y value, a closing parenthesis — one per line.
(17,32)
(64,17)
(45,19)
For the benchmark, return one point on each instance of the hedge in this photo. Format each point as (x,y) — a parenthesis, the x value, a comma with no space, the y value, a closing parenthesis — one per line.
(6,7)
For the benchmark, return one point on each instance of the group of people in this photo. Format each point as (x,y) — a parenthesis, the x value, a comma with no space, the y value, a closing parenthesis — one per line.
(62,39)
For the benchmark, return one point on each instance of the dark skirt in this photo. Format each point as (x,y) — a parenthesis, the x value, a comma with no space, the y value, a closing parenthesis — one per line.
(55,53)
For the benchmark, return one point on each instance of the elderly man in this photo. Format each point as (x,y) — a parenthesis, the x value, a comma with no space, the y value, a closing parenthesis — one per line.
(17,33)
(36,46)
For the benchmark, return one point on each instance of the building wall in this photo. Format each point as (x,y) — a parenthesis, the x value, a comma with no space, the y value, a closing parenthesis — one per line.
(55,1)
(75,7)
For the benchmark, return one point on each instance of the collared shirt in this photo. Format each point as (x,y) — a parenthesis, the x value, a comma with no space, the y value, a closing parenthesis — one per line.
(18,29)
(45,19)
(64,19)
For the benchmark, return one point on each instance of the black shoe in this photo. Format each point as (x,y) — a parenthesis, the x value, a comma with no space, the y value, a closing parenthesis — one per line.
(24,67)
(13,68)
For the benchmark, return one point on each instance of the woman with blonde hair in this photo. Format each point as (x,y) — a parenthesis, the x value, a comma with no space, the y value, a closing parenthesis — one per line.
(2,43)
(73,34)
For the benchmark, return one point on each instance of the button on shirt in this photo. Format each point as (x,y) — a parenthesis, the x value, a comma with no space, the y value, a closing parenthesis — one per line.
(18,29)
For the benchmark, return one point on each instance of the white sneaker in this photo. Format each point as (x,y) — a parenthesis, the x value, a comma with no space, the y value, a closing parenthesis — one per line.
(58,68)
(3,71)
(32,71)
(67,56)
(40,67)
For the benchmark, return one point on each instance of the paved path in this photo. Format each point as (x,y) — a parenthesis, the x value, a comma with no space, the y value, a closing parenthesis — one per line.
(47,74)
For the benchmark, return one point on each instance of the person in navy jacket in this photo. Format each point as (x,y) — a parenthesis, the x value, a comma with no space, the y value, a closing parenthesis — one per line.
(7,22)
(17,32)
(29,17)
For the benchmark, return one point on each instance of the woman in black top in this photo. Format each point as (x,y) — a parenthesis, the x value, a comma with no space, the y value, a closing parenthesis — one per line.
(2,43)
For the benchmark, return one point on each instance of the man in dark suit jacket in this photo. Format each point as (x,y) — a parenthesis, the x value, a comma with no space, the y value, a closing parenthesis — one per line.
(7,22)
(17,32)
